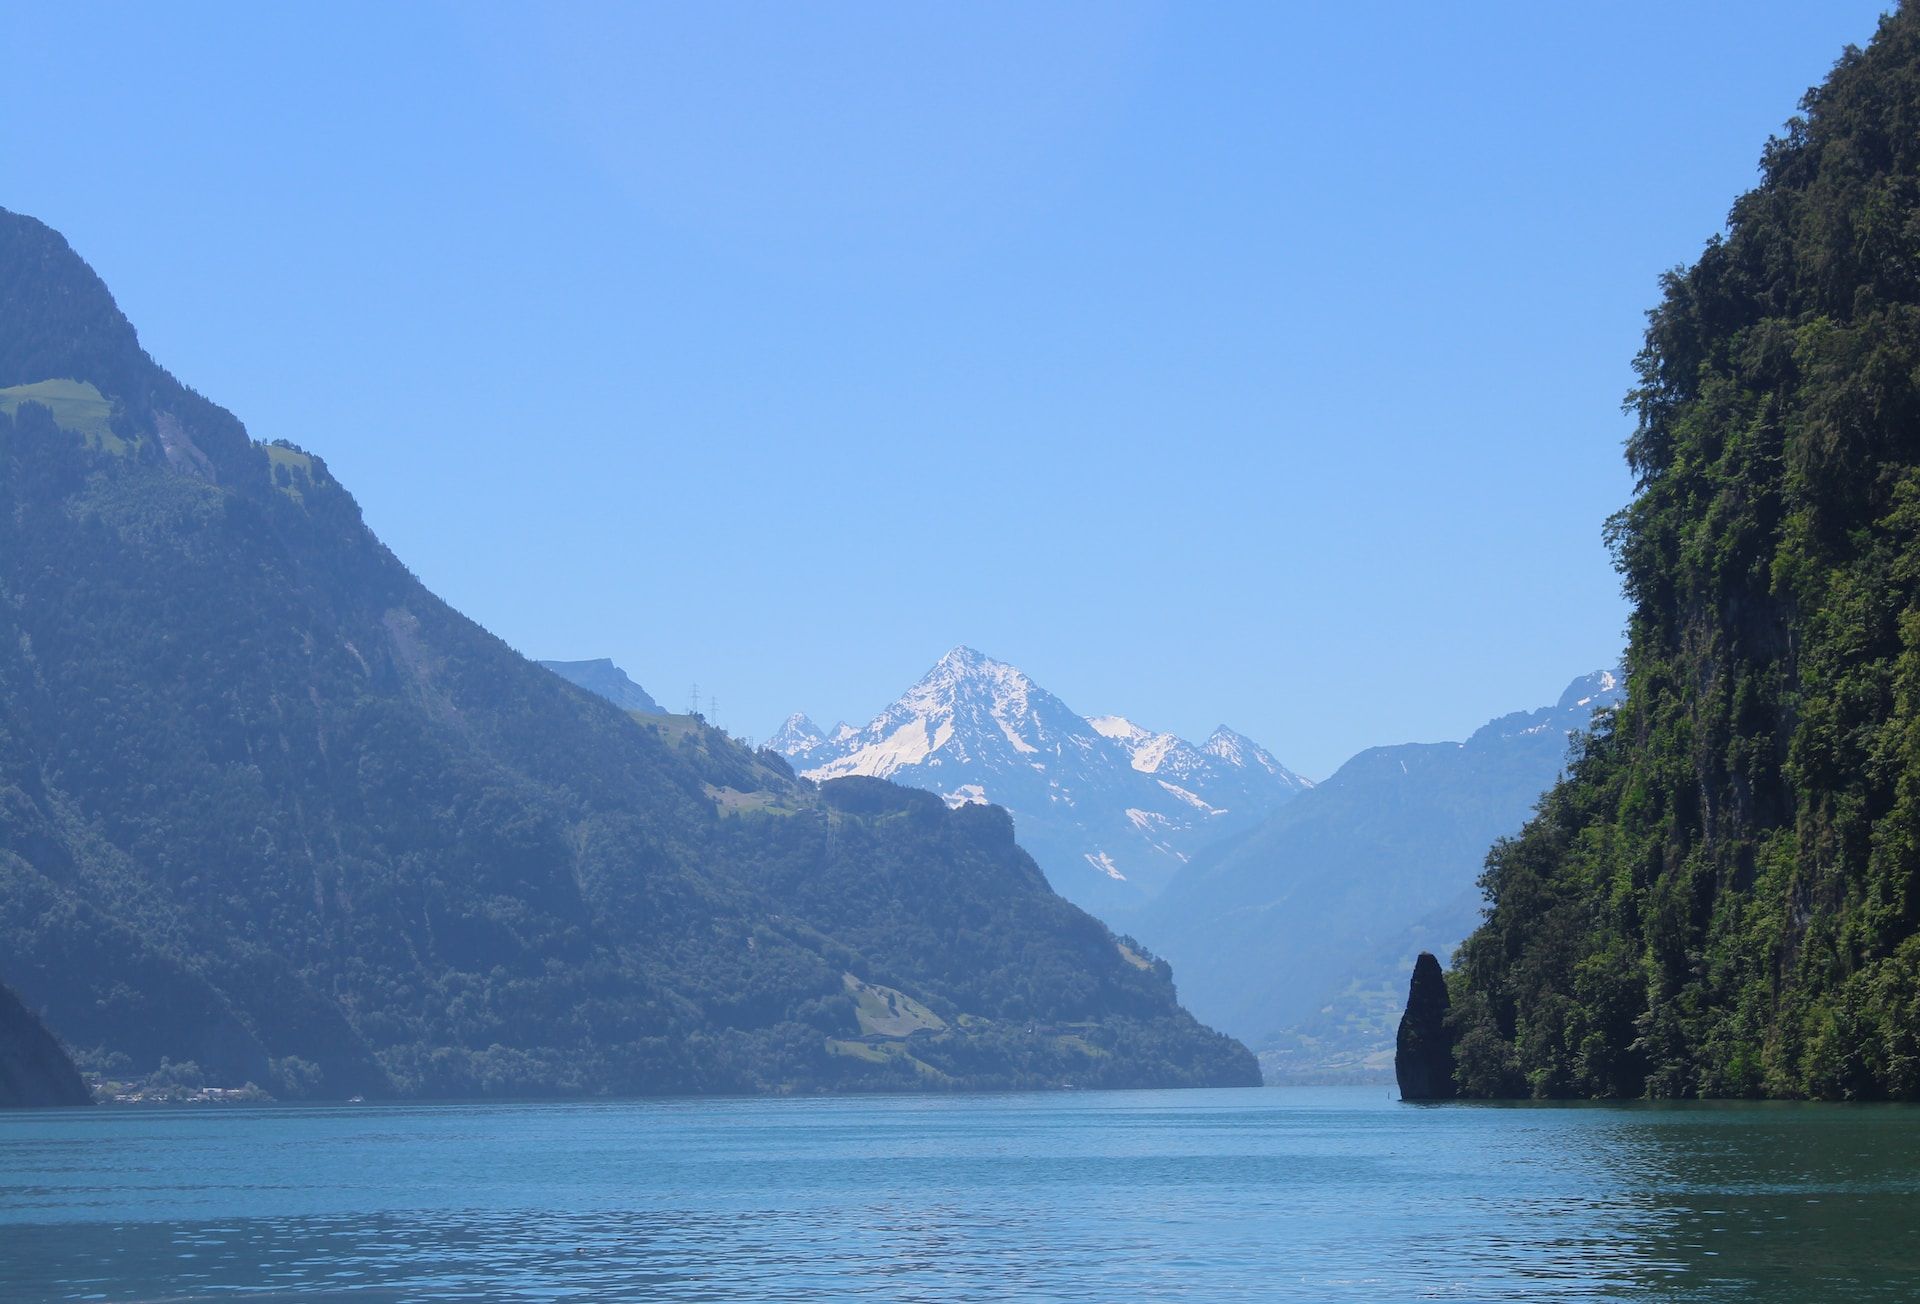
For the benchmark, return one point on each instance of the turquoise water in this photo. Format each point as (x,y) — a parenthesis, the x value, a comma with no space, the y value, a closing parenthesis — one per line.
(1274,1194)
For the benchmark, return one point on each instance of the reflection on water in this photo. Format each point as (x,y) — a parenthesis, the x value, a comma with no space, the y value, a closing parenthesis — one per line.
(1273,1194)
(1813,1202)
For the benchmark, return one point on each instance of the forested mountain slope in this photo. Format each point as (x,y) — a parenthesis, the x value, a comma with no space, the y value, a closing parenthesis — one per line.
(1723,897)
(269,806)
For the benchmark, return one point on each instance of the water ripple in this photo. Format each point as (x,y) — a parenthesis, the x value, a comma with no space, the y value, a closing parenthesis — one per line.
(1251,1195)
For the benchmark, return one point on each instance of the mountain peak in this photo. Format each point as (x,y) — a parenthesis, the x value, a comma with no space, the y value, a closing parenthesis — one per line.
(57,318)
(58,321)
(604,679)
(1572,714)
(1103,792)
(1228,745)
(971,678)
(1235,748)
(969,663)
(1601,688)
(796,737)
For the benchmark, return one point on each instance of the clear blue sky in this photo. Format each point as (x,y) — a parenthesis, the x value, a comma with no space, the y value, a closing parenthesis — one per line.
(1257,363)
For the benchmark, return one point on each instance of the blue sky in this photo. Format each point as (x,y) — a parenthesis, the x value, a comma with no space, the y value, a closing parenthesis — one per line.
(1258,363)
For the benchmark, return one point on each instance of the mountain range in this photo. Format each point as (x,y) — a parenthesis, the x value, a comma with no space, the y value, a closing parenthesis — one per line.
(1112,811)
(1298,935)
(270,808)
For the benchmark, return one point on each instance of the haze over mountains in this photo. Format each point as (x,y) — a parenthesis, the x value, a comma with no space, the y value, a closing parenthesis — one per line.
(273,809)
(1291,912)
(1110,809)
(269,806)
(1298,935)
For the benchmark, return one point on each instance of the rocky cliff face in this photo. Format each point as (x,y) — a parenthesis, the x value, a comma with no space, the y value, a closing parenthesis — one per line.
(34,1069)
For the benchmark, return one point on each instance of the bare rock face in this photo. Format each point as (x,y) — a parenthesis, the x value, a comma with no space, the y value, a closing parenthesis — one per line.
(1423,1055)
(34,1070)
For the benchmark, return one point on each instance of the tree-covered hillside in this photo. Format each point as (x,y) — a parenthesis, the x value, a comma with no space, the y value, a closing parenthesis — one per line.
(1723,897)
(270,807)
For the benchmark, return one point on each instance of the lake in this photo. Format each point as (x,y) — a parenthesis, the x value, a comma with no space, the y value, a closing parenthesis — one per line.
(1270,1194)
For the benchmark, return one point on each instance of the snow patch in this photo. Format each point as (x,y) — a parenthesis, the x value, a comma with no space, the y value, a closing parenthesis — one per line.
(910,744)
(1147,821)
(1019,744)
(1190,798)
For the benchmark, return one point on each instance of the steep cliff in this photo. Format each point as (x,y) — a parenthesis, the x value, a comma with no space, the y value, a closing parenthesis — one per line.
(1723,896)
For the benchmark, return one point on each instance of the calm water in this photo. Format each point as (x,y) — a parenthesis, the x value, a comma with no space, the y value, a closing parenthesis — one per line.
(1289,1194)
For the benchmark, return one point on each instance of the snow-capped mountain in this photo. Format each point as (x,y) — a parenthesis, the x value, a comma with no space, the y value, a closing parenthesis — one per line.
(1601,690)
(1110,810)
(797,739)
(1228,771)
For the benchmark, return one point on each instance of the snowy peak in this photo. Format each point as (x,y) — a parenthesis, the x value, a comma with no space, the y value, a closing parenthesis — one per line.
(1148,751)
(1171,755)
(1116,727)
(797,737)
(966,675)
(968,708)
(962,661)
(1238,749)
(799,726)
(1602,688)
(1574,712)
(1099,802)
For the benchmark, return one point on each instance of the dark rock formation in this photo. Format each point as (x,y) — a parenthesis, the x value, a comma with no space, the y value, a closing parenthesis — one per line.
(34,1070)
(1423,1055)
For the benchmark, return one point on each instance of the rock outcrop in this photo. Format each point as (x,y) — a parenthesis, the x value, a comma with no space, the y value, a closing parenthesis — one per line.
(34,1069)
(1423,1054)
